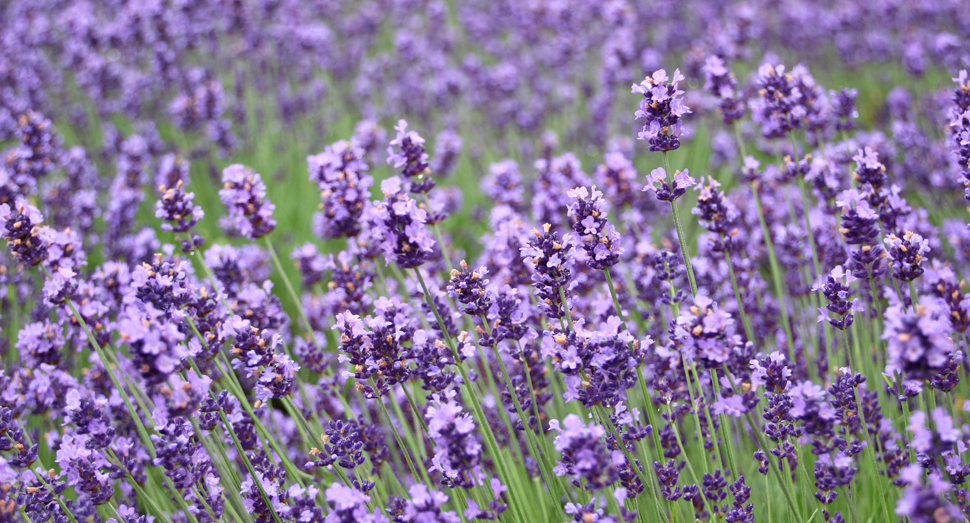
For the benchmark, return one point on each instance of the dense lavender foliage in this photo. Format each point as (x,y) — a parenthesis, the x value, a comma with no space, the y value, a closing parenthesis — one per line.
(523,261)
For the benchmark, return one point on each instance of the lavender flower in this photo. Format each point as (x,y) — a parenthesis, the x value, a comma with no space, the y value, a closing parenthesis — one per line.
(341,175)
(918,343)
(21,229)
(720,82)
(907,254)
(662,108)
(551,259)
(836,289)
(669,191)
(584,454)
(600,238)
(244,194)
(401,227)
(406,152)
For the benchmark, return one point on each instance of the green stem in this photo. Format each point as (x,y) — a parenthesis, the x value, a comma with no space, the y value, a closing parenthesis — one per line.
(681,237)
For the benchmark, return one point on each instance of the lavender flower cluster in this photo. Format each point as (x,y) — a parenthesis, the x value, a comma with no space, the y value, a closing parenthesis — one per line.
(513,321)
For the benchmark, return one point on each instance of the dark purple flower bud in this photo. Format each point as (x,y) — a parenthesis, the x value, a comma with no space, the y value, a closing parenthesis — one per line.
(718,215)
(21,228)
(836,289)
(180,213)
(373,347)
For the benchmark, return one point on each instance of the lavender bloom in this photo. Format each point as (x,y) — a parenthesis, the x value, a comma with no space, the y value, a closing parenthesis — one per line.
(457,453)
(424,506)
(669,191)
(907,254)
(373,347)
(21,229)
(470,288)
(924,501)
(843,108)
(859,221)
(598,366)
(600,238)
(551,259)
(960,128)
(585,456)
(503,184)
(341,175)
(918,343)
(447,149)
(779,108)
(706,332)
(180,214)
(350,506)
(618,178)
(720,82)
(407,152)
(244,194)
(836,289)
(662,108)
(718,215)
(400,225)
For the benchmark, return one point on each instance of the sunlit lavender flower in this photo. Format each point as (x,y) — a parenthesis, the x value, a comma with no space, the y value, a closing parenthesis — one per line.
(662,108)
(960,127)
(859,227)
(470,288)
(244,194)
(706,332)
(600,238)
(373,347)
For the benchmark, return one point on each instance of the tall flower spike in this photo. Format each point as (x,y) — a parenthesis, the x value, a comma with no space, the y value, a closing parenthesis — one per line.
(244,194)
(661,108)
(960,127)
(600,239)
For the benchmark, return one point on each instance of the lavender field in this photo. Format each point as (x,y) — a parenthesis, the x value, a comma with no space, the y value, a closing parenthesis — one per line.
(444,261)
